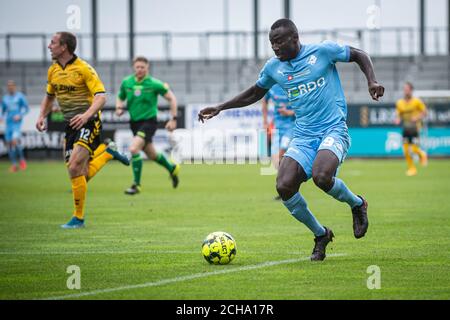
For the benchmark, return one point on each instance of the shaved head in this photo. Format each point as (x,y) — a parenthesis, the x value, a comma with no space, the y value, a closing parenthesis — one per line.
(283,37)
(286,24)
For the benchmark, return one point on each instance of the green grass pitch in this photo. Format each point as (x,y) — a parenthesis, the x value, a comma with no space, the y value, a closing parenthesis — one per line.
(154,239)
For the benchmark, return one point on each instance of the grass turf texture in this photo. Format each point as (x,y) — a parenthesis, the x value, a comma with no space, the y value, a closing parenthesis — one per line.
(157,234)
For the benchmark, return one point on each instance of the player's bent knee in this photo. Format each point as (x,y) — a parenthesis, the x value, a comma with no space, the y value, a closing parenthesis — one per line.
(285,190)
(323,180)
(76,168)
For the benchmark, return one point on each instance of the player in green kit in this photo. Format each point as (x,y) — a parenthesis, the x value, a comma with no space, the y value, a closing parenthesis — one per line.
(141,92)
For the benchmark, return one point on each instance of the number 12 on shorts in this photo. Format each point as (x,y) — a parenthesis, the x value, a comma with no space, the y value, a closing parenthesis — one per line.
(84,134)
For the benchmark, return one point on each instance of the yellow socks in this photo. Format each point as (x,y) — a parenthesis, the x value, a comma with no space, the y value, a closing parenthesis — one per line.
(416,150)
(422,154)
(79,184)
(79,189)
(409,160)
(99,160)
(412,171)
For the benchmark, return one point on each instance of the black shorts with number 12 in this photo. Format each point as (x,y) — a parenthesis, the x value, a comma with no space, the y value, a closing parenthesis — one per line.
(88,136)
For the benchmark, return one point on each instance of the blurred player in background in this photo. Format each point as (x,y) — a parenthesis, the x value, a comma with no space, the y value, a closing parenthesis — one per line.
(141,91)
(320,143)
(81,96)
(410,113)
(282,126)
(14,108)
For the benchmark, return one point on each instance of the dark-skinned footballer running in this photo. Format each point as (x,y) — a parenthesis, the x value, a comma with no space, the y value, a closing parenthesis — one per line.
(308,75)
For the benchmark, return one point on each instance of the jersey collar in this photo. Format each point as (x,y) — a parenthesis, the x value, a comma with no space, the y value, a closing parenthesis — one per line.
(143,79)
(300,52)
(298,56)
(68,62)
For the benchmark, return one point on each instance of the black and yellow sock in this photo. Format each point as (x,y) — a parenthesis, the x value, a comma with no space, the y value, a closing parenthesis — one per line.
(97,163)
(79,189)
(136,165)
(415,148)
(162,160)
(408,158)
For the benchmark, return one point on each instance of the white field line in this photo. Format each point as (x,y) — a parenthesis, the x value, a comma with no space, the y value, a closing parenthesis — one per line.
(112,252)
(185,278)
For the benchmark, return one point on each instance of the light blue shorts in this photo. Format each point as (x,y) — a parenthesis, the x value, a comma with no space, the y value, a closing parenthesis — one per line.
(304,149)
(13,132)
(281,139)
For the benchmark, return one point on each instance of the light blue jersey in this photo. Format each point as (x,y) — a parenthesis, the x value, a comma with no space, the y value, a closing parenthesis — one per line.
(284,125)
(13,106)
(312,85)
(280,100)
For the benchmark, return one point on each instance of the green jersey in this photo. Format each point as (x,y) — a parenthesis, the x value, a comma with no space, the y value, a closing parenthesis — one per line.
(142,96)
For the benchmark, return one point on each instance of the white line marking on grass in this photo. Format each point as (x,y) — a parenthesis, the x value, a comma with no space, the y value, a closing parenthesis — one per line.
(186,278)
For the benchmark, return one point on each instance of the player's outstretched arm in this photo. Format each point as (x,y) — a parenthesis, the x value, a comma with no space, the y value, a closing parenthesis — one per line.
(248,97)
(376,90)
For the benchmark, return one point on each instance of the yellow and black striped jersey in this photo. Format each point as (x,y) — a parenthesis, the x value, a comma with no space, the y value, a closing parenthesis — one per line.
(409,109)
(73,85)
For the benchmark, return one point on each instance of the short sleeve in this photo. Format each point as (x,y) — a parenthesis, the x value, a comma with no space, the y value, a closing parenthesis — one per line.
(161,87)
(265,81)
(50,90)
(92,80)
(421,105)
(336,52)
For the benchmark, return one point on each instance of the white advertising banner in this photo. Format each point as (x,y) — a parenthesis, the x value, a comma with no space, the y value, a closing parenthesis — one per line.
(235,135)
(241,118)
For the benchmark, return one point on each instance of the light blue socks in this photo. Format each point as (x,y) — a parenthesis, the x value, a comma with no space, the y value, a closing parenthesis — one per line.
(299,209)
(340,192)
(19,152)
(12,155)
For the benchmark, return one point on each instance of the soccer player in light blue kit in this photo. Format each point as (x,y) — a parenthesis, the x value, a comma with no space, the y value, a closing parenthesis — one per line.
(308,75)
(14,108)
(283,123)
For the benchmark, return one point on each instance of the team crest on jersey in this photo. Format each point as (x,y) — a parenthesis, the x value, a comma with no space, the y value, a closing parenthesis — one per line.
(312,59)
(137,92)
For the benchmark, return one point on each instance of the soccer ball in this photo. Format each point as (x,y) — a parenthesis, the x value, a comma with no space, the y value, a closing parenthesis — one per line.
(219,248)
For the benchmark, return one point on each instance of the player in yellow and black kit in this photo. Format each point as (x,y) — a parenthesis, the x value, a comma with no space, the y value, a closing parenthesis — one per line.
(81,95)
(410,113)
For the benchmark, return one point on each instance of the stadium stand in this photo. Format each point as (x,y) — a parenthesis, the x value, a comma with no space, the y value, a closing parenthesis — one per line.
(209,81)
